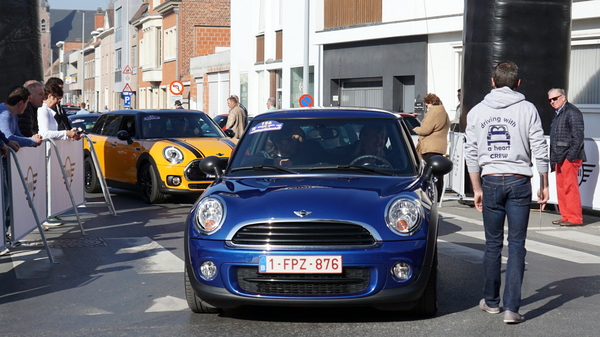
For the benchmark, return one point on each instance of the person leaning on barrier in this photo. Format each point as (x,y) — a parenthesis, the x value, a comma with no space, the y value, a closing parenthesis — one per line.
(28,119)
(48,125)
(62,120)
(16,102)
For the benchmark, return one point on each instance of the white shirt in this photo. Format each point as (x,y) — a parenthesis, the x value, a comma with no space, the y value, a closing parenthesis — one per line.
(48,128)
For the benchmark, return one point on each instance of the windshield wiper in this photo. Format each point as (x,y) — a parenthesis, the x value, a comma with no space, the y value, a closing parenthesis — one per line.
(264,167)
(351,168)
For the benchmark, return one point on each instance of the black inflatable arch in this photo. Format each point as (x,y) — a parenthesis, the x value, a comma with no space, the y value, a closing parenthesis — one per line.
(20,44)
(536,35)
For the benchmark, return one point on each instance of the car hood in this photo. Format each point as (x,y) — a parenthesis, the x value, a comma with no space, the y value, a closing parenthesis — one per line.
(202,147)
(358,199)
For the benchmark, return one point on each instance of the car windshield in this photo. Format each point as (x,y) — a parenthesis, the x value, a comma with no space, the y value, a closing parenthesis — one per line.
(178,125)
(328,145)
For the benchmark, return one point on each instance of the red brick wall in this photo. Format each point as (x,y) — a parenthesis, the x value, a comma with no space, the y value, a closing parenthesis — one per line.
(198,15)
(203,26)
(207,38)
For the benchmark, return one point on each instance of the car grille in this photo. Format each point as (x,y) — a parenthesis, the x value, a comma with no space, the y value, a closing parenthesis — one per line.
(193,173)
(351,281)
(303,234)
(198,186)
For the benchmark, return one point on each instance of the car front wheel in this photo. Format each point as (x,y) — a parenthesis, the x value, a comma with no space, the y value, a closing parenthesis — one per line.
(427,304)
(91,181)
(148,181)
(196,304)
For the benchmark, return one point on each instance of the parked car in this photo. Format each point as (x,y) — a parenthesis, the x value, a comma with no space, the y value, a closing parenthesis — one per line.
(85,121)
(156,152)
(411,121)
(222,120)
(70,109)
(323,207)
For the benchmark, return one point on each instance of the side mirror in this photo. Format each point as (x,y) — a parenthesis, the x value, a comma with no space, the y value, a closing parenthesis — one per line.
(438,166)
(230,133)
(211,165)
(122,135)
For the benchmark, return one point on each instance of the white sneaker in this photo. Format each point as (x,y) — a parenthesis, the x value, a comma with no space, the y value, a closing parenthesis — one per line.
(483,306)
(513,317)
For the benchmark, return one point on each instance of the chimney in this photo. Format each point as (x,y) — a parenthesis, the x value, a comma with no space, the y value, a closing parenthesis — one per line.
(98,19)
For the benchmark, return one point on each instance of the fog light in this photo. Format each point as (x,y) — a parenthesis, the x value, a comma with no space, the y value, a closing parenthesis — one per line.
(208,270)
(174,180)
(401,271)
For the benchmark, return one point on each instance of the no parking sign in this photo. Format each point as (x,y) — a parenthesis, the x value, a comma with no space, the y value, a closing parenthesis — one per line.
(306,100)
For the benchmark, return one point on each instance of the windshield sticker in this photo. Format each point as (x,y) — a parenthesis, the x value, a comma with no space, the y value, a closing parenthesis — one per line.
(266,126)
(151,117)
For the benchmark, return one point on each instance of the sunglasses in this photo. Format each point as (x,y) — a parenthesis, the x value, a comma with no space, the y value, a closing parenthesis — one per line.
(554,98)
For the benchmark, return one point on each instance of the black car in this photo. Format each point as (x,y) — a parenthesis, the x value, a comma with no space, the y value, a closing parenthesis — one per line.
(221,120)
(70,109)
(85,121)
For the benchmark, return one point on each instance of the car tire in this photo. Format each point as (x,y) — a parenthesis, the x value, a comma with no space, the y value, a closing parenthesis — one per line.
(196,304)
(427,303)
(90,178)
(148,181)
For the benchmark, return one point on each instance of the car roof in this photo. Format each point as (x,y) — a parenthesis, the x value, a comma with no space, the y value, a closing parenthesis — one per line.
(337,112)
(91,114)
(150,111)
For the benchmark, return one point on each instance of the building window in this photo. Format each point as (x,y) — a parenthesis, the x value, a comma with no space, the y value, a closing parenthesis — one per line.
(339,13)
(43,25)
(118,65)
(119,24)
(244,89)
(297,89)
(279,45)
(170,50)
(260,48)
(584,82)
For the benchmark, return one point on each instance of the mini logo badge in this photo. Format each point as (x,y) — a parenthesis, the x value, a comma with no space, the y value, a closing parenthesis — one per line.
(302,213)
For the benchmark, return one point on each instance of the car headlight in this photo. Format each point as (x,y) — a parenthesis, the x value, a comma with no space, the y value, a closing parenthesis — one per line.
(404,216)
(210,214)
(173,154)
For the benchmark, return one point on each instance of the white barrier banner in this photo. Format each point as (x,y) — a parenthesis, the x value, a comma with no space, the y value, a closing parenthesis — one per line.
(588,173)
(32,161)
(71,154)
(457,150)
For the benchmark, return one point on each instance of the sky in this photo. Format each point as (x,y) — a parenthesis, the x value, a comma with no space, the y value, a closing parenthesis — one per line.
(78,4)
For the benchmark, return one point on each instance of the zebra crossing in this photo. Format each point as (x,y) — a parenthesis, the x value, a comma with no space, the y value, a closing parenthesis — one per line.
(568,237)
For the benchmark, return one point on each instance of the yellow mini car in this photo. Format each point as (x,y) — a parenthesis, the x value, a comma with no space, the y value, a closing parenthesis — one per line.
(156,152)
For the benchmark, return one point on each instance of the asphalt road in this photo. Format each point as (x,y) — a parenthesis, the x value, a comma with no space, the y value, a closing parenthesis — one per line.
(125,278)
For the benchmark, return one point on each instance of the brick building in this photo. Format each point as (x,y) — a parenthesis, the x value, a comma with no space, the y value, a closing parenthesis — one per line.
(170,33)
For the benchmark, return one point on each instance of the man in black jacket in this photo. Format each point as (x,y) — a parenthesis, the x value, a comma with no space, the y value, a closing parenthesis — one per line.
(28,125)
(566,156)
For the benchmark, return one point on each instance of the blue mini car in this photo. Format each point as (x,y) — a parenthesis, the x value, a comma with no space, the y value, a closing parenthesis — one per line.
(317,207)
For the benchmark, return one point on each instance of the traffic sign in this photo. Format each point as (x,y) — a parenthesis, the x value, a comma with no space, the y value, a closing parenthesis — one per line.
(306,100)
(127,88)
(126,100)
(127,70)
(176,87)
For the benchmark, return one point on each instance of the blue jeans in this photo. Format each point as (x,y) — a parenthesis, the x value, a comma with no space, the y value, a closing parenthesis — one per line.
(505,197)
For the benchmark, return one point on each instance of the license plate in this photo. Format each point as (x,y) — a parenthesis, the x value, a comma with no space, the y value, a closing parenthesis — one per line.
(300,264)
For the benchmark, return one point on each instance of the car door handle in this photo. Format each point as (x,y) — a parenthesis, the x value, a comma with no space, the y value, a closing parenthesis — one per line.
(113,144)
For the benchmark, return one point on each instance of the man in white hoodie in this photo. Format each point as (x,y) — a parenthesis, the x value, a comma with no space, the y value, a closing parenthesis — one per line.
(503,132)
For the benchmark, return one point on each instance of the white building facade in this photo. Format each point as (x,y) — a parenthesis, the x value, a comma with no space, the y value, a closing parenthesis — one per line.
(389,54)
